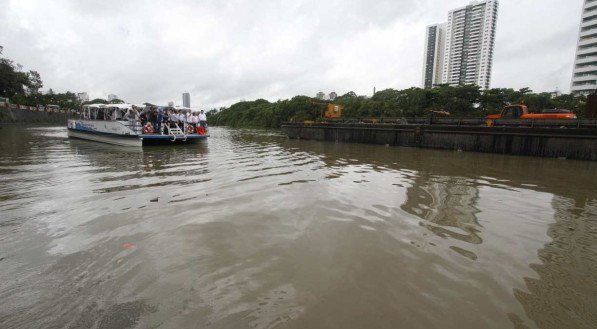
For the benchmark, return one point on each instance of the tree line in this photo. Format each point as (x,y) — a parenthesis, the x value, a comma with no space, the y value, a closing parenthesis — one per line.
(459,101)
(24,87)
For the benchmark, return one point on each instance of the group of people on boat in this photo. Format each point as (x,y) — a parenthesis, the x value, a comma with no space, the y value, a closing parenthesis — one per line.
(157,120)
(152,119)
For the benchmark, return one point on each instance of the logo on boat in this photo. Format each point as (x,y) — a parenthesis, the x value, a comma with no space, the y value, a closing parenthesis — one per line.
(83,126)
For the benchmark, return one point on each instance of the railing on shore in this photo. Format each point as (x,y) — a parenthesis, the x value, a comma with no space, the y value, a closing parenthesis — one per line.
(39,108)
(575,123)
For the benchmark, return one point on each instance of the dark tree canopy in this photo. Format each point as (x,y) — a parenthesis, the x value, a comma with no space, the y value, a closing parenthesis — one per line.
(462,101)
(97,101)
(13,81)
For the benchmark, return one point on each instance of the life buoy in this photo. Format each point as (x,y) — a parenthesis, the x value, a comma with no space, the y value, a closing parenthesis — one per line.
(147,129)
(190,129)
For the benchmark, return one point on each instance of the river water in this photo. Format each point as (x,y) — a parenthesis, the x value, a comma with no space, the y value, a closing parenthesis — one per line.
(252,230)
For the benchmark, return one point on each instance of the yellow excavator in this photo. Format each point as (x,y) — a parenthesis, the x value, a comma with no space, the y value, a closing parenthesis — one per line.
(332,111)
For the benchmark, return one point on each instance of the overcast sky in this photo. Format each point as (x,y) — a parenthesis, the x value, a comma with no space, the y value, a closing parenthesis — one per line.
(225,51)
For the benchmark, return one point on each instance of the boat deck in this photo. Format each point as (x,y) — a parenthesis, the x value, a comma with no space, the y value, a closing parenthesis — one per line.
(171,137)
(149,139)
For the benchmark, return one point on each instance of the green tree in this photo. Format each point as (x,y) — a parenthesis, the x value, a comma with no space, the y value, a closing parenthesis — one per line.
(100,101)
(13,81)
(35,82)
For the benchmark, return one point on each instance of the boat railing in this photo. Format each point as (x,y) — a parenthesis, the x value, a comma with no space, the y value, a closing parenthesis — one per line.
(135,126)
(177,133)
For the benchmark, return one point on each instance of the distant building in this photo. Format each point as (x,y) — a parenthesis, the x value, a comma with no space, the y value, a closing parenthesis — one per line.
(556,93)
(170,103)
(460,52)
(186,100)
(435,40)
(584,76)
(333,95)
(112,97)
(320,95)
(83,97)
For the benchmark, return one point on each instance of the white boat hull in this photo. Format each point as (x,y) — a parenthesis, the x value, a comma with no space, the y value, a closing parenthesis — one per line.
(114,140)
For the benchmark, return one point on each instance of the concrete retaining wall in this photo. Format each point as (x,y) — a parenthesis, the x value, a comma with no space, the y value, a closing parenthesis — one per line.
(18,115)
(573,143)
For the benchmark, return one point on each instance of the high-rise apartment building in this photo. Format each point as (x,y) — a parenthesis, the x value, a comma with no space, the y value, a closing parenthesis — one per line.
(112,97)
(435,38)
(584,78)
(468,40)
(186,100)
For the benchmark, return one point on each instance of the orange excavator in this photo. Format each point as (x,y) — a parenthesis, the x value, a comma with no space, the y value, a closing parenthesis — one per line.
(519,111)
(522,112)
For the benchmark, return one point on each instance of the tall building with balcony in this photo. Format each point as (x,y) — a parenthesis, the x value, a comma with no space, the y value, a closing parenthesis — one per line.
(584,78)
(470,39)
(435,39)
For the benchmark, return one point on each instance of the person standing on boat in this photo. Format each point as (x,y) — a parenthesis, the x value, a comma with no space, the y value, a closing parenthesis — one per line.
(173,119)
(132,116)
(151,117)
(194,120)
(202,119)
(143,115)
(159,120)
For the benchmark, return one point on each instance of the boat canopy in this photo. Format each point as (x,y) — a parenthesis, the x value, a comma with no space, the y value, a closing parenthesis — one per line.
(113,106)
(120,106)
(95,105)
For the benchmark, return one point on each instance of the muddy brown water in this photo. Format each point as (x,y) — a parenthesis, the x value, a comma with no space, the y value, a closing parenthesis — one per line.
(252,230)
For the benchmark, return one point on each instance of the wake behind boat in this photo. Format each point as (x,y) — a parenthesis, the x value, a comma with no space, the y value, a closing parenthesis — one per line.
(125,125)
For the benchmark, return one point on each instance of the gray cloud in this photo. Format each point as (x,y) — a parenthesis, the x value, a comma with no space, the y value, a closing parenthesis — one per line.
(222,51)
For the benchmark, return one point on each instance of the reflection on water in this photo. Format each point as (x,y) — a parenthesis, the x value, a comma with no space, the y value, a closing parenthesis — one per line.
(448,204)
(565,292)
(252,230)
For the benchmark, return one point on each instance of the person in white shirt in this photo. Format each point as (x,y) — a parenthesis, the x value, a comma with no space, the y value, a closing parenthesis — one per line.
(202,119)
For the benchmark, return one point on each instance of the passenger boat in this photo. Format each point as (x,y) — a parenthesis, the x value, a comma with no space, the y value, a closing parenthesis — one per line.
(114,124)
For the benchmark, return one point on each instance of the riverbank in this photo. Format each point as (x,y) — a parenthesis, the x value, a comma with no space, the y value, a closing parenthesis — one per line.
(24,114)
